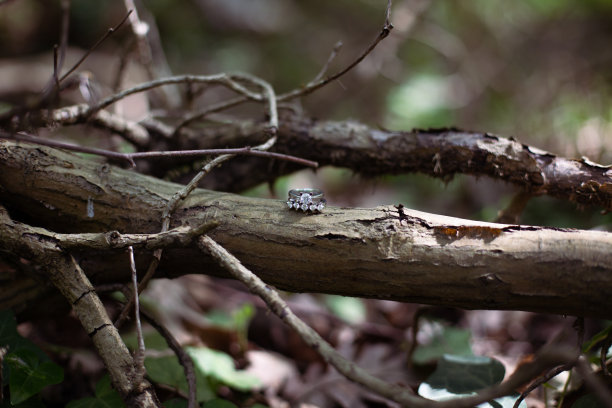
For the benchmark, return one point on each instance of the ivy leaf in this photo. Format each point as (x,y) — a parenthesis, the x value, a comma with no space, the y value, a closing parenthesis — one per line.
(10,337)
(220,367)
(28,375)
(175,403)
(445,340)
(167,370)
(351,310)
(219,403)
(34,402)
(461,374)
(106,397)
(588,401)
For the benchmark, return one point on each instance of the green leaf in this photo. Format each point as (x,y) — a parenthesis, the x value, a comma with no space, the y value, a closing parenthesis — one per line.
(105,397)
(33,402)
(349,309)
(237,321)
(219,403)
(599,337)
(446,340)
(28,374)
(220,367)
(10,337)
(426,391)
(588,401)
(167,370)
(242,317)
(175,403)
(462,374)
(152,339)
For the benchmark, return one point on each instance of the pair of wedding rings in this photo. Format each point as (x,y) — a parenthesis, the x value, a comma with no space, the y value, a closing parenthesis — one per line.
(306,199)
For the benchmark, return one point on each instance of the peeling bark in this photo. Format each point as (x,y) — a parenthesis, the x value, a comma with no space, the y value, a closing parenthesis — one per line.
(385,252)
(439,153)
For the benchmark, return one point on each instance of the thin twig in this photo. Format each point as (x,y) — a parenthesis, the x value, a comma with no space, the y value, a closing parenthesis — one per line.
(414,330)
(150,51)
(124,54)
(313,86)
(223,79)
(593,382)
(209,109)
(563,392)
(92,48)
(325,67)
(279,307)
(174,345)
(185,191)
(605,346)
(139,353)
(512,213)
(546,358)
(541,380)
(3,351)
(578,326)
(183,357)
(177,237)
(24,137)
(140,29)
(130,157)
(59,52)
(180,195)
(63,41)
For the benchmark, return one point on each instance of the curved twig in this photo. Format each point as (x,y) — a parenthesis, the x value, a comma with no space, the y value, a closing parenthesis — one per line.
(130,157)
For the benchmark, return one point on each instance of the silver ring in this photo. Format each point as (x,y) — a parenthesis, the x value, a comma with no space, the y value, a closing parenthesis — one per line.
(306,199)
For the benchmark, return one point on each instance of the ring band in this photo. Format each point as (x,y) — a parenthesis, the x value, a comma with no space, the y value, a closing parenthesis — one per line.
(306,199)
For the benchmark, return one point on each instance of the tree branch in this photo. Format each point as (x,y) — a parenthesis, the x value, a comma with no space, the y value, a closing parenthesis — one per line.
(384,252)
(437,152)
(69,278)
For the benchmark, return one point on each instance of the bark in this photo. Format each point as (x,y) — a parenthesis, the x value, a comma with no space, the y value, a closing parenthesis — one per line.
(60,269)
(384,252)
(437,152)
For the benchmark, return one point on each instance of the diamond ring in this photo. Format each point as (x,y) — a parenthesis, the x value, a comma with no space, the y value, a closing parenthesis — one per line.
(306,199)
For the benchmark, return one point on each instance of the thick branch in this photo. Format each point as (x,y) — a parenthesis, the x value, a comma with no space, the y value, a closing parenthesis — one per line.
(436,152)
(67,276)
(384,252)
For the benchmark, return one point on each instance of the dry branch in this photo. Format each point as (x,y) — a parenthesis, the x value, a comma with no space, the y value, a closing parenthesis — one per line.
(436,152)
(384,252)
(68,277)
